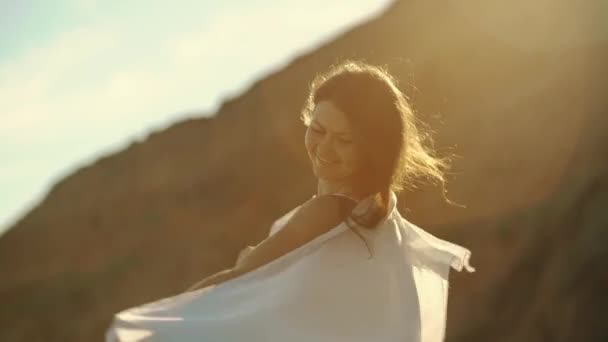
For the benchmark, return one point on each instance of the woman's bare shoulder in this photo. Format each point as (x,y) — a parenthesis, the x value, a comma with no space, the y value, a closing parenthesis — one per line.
(319,211)
(323,212)
(314,218)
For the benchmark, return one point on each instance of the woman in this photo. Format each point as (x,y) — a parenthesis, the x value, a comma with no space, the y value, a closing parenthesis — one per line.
(344,265)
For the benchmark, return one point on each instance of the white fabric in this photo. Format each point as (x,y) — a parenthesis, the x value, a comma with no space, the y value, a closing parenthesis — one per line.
(329,289)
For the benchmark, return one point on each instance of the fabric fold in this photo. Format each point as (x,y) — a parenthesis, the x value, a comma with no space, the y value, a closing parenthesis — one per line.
(440,250)
(326,290)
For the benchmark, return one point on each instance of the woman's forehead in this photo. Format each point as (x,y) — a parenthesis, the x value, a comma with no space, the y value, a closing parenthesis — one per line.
(331,118)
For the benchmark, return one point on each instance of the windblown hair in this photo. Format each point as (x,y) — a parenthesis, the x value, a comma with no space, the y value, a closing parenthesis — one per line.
(395,150)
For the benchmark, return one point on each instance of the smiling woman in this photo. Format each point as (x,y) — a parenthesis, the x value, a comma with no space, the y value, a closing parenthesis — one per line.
(311,280)
(329,143)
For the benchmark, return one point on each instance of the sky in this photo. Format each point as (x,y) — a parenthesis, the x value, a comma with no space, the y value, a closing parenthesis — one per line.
(83,78)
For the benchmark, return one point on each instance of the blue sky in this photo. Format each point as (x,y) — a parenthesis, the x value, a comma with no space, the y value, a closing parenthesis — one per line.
(83,78)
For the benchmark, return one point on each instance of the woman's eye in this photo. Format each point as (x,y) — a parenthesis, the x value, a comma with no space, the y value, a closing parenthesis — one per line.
(316,130)
(321,131)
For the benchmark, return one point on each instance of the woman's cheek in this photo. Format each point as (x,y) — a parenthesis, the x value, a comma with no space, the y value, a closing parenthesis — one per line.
(307,140)
(310,143)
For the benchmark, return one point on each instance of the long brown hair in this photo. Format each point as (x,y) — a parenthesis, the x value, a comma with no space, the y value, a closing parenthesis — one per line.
(396,152)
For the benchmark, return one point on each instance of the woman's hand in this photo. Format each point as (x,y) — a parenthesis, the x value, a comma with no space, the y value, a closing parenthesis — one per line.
(243,254)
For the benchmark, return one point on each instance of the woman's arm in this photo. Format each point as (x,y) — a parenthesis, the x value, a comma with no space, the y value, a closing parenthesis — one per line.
(243,254)
(316,217)
(221,276)
(214,279)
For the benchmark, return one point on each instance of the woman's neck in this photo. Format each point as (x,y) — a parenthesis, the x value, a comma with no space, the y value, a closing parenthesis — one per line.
(326,187)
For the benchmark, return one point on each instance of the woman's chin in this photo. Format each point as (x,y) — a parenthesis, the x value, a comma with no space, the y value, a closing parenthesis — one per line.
(330,175)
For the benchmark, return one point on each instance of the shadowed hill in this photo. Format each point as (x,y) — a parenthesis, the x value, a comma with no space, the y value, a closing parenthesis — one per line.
(517,91)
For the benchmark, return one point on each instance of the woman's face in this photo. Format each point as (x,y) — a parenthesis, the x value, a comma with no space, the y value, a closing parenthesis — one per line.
(329,143)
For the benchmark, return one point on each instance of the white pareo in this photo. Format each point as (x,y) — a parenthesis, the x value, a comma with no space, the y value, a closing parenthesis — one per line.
(329,289)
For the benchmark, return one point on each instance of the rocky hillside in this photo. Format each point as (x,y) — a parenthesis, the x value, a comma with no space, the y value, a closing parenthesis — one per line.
(517,91)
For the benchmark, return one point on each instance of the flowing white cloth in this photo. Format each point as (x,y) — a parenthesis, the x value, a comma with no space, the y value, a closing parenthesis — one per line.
(329,289)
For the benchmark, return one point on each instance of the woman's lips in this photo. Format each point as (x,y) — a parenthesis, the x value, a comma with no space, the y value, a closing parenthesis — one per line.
(324,161)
